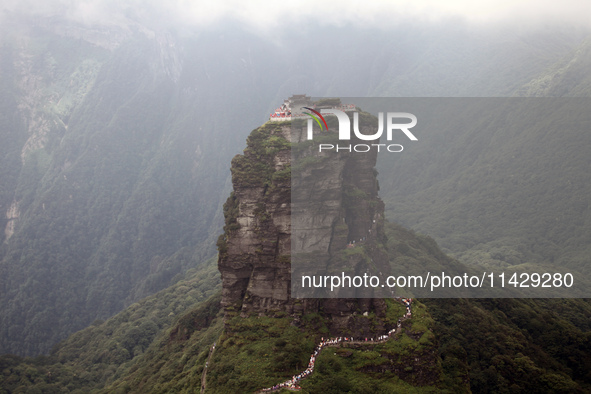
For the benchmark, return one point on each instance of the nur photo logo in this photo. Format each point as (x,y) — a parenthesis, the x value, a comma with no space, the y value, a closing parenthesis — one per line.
(392,124)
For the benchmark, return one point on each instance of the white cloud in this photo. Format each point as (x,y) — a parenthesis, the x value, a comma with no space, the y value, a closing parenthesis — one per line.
(265,15)
(272,14)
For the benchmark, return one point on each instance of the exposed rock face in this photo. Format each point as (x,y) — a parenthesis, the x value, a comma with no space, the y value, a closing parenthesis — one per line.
(12,215)
(337,216)
(255,247)
(341,206)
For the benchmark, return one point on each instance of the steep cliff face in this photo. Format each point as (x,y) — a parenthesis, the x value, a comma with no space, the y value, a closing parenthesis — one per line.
(255,247)
(337,216)
(337,204)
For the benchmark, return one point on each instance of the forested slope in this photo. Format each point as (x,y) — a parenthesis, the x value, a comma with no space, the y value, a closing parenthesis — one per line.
(496,196)
(162,343)
(106,350)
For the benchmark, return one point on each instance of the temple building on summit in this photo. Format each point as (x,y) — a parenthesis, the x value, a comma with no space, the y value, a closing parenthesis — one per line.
(294,107)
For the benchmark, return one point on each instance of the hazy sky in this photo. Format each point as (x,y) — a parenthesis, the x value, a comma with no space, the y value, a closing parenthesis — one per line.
(277,14)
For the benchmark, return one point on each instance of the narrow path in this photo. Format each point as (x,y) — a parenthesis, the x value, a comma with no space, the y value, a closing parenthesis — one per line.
(292,384)
(204,374)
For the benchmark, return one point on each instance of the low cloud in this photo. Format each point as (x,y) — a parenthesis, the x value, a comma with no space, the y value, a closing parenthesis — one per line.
(265,15)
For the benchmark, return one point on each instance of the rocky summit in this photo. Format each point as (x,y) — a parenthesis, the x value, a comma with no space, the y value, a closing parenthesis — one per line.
(332,202)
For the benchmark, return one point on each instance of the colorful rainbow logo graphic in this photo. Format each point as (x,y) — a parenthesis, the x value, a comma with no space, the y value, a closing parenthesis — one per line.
(316,119)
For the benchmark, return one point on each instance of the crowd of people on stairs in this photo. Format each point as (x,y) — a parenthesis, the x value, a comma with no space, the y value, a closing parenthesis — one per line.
(293,383)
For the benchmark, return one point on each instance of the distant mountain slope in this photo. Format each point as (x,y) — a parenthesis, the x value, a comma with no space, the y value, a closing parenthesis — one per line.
(461,61)
(104,351)
(114,171)
(567,77)
(522,345)
(498,196)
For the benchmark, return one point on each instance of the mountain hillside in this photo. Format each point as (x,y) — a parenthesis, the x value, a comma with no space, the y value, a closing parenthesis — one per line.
(106,350)
(567,77)
(166,342)
(509,199)
(500,195)
(115,164)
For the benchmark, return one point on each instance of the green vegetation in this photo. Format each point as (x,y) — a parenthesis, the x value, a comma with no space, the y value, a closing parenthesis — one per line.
(515,344)
(498,345)
(258,352)
(105,351)
(566,77)
(176,361)
(117,193)
(333,102)
(256,168)
(448,346)
(499,196)
(406,363)
(231,210)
